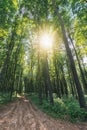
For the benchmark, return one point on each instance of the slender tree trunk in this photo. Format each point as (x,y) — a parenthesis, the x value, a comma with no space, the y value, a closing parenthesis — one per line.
(39,78)
(14,70)
(5,69)
(72,85)
(47,79)
(81,71)
(64,82)
(71,60)
(46,92)
(57,80)
(61,87)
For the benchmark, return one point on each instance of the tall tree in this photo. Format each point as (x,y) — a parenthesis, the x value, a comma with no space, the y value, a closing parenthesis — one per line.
(69,54)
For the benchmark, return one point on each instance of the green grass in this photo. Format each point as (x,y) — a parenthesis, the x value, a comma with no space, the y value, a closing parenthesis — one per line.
(65,108)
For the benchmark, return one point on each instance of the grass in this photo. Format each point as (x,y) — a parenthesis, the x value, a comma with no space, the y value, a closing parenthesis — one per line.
(65,108)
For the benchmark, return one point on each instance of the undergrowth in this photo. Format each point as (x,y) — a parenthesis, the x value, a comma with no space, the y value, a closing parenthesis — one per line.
(64,108)
(5,98)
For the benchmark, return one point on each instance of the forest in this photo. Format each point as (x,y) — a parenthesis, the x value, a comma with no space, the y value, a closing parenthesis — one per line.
(43,56)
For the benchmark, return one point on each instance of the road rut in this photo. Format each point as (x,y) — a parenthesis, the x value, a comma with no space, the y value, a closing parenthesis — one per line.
(23,115)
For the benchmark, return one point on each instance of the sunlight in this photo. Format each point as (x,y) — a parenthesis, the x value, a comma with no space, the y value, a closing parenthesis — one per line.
(46,41)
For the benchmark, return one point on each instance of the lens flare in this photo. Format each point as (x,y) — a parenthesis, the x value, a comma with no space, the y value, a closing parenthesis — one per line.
(46,41)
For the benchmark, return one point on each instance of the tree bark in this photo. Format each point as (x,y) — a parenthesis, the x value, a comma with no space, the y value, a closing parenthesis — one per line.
(81,71)
(71,60)
(47,79)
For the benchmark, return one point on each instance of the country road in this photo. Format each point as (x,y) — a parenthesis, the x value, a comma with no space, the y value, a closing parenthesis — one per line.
(23,115)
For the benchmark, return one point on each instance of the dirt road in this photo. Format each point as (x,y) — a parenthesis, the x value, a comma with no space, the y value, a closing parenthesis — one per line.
(22,115)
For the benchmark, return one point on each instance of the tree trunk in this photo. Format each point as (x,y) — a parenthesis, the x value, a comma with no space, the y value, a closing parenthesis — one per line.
(71,60)
(81,71)
(57,79)
(39,78)
(47,79)
(64,82)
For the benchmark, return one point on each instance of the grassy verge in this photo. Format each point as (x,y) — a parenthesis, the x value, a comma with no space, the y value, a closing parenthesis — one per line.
(65,108)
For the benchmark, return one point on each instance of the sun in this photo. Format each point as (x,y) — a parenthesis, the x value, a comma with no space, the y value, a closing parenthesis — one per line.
(46,41)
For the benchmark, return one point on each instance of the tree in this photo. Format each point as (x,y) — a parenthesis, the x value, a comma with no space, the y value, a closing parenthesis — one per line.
(72,64)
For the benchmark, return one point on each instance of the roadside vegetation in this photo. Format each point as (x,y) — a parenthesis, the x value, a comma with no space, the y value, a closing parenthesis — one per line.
(65,108)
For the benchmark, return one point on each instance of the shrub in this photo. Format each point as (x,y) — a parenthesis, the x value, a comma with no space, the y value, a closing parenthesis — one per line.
(65,108)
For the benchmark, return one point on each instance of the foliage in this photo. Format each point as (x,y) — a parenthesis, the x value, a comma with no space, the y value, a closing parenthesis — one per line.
(65,108)
(4,97)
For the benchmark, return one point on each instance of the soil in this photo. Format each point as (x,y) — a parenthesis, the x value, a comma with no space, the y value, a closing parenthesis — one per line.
(24,115)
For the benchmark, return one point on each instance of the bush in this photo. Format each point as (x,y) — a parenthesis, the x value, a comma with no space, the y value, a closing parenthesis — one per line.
(65,108)
(74,111)
(59,106)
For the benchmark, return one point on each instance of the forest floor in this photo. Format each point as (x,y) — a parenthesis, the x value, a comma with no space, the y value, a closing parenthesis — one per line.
(24,115)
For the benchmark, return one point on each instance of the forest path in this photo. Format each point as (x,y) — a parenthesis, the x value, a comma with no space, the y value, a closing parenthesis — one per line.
(23,115)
